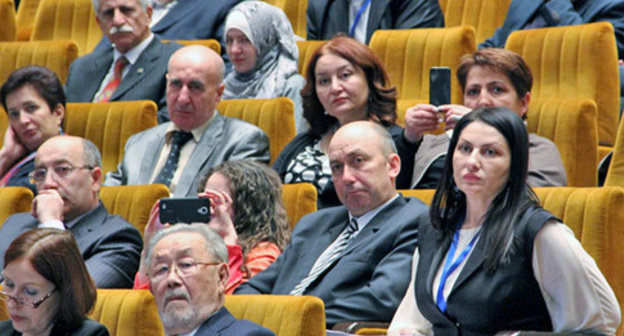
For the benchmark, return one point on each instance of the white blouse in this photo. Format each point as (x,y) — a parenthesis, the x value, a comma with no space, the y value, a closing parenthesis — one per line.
(577,295)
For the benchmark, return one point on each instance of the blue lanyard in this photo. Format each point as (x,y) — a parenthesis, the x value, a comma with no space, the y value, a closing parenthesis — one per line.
(450,265)
(358,16)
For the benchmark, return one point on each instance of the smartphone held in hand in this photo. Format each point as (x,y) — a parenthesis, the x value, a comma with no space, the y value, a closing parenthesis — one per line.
(184,210)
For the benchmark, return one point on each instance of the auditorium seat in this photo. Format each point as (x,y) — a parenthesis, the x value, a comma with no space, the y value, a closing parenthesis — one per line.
(133,202)
(67,20)
(109,125)
(484,15)
(275,116)
(306,50)
(574,62)
(14,200)
(7,20)
(407,55)
(55,55)
(615,175)
(127,312)
(209,43)
(25,18)
(284,315)
(299,200)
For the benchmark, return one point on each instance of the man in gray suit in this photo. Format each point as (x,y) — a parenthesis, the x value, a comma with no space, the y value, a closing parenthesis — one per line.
(67,175)
(133,68)
(354,257)
(179,152)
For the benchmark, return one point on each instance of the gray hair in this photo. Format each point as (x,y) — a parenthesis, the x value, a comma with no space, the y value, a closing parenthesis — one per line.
(96,5)
(213,243)
(386,143)
(91,154)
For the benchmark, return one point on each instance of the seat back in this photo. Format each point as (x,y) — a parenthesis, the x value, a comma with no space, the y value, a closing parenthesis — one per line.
(109,125)
(285,315)
(127,312)
(7,20)
(306,50)
(209,43)
(407,55)
(594,214)
(615,175)
(25,18)
(299,200)
(14,200)
(572,126)
(67,20)
(574,62)
(54,55)
(276,117)
(484,15)
(295,10)
(133,202)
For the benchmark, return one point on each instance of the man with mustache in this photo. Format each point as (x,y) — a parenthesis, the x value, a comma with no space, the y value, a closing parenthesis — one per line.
(132,68)
(188,270)
(67,175)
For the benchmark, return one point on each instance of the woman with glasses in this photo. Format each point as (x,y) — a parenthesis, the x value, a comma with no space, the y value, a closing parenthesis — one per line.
(46,287)
(34,101)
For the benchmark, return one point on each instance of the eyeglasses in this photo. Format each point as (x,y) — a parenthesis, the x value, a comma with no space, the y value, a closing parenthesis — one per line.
(22,301)
(61,171)
(183,268)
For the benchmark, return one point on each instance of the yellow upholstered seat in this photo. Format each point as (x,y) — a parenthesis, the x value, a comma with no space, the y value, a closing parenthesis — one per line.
(295,10)
(484,15)
(407,56)
(25,18)
(127,312)
(284,315)
(14,200)
(276,117)
(67,20)
(209,43)
(7,20)
(594,214)
(615,176)
(55,55)
(133,202)
(572,126)
(109,125)
(299,200)
(306,49)
(574,62)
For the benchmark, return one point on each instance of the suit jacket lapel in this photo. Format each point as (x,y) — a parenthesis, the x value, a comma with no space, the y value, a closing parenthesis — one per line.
(99,69)
(474,261)
(375,14)
(217,323)
(155,144)
(436,263)
(140,69)
(86,223)
(202,154)
(522,13)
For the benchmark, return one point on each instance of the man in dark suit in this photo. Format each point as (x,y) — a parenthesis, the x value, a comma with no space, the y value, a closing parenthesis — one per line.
(67,175)
(325,18)
(133,68)
(188,271)
(354,256)
(524,14)
(197,137)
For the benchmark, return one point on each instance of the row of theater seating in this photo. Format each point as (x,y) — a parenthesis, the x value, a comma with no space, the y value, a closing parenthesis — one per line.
(34,21)
(594,215)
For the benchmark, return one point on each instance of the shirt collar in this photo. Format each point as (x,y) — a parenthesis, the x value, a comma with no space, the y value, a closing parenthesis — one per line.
(365,218)
(197,131)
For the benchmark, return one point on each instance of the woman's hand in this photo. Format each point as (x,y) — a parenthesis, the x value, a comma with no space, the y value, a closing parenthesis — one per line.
(11,151)
(220,218)
(420,119)
(452,114)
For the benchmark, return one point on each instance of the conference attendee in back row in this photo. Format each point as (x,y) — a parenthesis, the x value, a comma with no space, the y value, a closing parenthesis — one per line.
(360,18)
(354,257)
(133,68)
(68,174)
(178,153)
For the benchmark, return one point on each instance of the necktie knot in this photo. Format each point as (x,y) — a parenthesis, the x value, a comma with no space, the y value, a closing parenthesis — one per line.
(181,137)
(120,64)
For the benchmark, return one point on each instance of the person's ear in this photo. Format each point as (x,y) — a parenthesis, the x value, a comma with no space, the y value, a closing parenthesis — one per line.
(524,103)
(224,275)
(394,165)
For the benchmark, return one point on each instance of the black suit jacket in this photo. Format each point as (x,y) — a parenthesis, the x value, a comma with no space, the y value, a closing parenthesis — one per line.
(145,80)
(88,328)
(222,323)
(110,246)
(371,276)
(325,18)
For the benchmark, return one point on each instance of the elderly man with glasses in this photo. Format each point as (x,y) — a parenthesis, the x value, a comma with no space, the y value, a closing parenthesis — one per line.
(187,266)
(68,175)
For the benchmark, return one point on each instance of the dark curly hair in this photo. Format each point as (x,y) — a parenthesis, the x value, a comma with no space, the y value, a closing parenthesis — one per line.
(259,213)
(44,80)
(382,97)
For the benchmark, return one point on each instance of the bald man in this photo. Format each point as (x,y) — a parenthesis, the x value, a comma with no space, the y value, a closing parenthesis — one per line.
(354,257)
(177,153)
(68,175)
